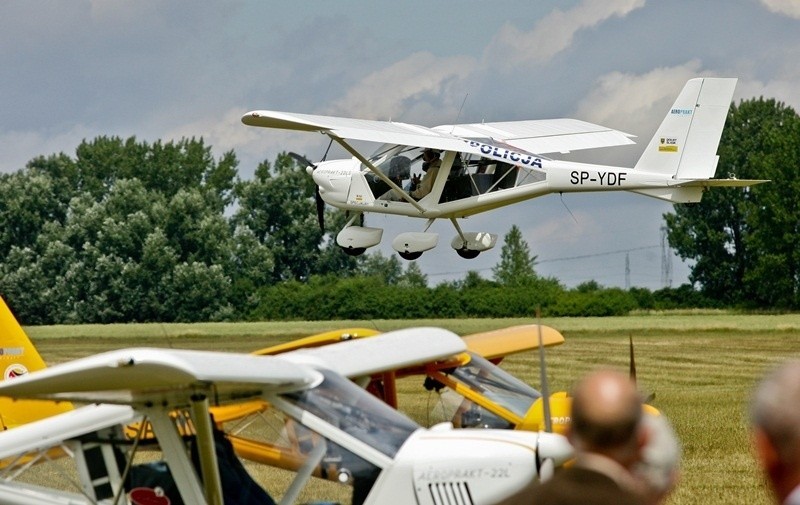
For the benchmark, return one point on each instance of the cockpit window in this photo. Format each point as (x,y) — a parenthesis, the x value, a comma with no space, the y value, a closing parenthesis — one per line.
(343,404)
(497,385)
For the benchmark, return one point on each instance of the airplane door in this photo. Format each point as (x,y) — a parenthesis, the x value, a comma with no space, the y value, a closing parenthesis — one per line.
(360,193)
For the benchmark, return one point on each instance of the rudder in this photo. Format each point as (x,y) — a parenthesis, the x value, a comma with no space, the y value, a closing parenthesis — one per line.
(685,145)
(18,356)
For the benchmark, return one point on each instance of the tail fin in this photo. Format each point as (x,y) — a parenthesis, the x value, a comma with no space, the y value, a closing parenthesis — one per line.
(18,356)
(685,145)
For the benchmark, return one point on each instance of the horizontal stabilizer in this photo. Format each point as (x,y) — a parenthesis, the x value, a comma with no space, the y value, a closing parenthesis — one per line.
(673,194)
(722,183)
(692,191)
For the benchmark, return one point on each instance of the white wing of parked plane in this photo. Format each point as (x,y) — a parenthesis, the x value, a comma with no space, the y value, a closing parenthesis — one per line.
(160,377)
(48,432)
(385,352)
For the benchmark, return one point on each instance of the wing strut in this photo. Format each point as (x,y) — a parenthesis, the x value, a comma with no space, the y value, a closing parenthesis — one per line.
(206,449)
(350,149)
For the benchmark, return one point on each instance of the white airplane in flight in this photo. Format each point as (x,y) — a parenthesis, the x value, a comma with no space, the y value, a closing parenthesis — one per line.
(455,171)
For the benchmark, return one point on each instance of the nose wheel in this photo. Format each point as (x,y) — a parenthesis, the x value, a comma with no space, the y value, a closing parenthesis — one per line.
(470,244)
(467,253)
(354,251)
(410,256)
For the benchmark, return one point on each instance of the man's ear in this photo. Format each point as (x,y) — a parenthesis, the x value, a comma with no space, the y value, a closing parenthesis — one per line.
(765,452)
(568,433)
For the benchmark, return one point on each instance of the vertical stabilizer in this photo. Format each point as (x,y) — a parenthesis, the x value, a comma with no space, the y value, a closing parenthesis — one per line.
(685,145)
(18,357)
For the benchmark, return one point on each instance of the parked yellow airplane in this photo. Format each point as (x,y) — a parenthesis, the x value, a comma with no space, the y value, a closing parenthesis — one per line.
(18,356)
(487,390)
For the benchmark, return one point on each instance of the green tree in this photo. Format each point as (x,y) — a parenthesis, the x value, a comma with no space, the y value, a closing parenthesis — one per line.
(516,263)
(278,206)
(745,242)
(389,270)
(27,202)
(413,277)
(126,231)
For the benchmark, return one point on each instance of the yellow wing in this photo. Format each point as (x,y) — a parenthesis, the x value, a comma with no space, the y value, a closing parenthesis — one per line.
(500,343)
(329,337)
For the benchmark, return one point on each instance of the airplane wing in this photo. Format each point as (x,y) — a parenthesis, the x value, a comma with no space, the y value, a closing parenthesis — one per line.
(528,137)
(54,430)
(161,376)
(326,338)
(542,136)
(383,132)
(504,341)
(385,352)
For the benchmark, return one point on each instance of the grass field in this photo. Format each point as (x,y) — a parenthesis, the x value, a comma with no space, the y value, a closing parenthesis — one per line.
(701,368)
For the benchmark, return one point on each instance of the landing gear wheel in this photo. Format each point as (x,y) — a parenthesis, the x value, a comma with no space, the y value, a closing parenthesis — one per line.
(354,251)
(467,253)
(410,256)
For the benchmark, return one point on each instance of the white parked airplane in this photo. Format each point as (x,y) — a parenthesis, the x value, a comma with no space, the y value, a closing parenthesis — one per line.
(490,165)
(385,456)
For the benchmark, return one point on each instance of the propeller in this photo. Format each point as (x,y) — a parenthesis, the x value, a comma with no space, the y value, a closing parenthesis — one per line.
(302,160)
(632,370)
(548,422)
(546,466)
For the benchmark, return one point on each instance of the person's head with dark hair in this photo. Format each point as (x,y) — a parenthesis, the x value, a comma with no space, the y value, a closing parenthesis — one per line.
(606,417)
(775,428)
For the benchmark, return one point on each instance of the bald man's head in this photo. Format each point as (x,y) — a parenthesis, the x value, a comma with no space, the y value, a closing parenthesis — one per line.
(606,410)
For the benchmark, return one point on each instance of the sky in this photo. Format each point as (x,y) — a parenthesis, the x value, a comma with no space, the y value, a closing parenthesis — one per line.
(172,69)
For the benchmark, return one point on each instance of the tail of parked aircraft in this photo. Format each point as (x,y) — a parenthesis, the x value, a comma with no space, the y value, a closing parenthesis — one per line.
(685,145)
(18,356)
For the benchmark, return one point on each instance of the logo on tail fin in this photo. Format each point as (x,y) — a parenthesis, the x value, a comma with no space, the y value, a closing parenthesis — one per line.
(14,371)
(668,145)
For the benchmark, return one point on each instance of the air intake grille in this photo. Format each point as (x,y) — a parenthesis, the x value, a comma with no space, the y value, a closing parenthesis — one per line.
(450,493)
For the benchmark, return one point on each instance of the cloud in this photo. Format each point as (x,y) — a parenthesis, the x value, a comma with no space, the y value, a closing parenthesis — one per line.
(636,103)
(419,78)
(782,90)
(15,145)
(789,8)
(555,32)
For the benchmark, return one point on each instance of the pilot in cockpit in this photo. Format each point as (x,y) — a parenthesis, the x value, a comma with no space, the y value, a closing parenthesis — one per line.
(430,165)
(399,170)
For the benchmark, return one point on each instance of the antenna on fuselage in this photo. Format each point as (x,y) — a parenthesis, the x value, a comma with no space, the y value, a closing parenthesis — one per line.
(458,116)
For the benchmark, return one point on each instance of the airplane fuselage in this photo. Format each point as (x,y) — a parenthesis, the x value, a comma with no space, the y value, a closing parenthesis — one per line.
(344,184)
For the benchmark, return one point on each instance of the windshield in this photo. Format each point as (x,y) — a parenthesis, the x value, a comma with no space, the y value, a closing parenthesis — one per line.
(496,384)
(385,152)
(348,407)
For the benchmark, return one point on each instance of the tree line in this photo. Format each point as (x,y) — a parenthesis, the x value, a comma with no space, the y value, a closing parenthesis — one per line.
(131,231)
